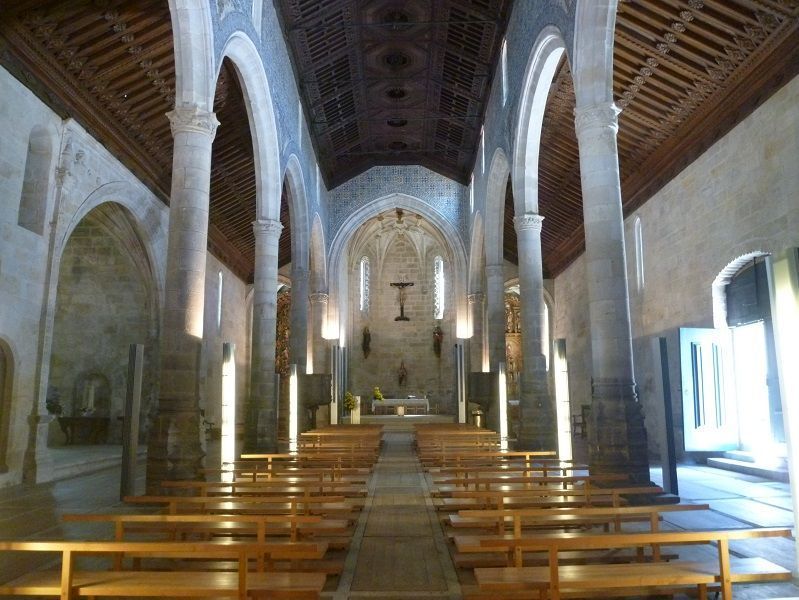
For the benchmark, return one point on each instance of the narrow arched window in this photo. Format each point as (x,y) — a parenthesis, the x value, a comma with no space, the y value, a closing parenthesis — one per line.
(482,150)
(471,194)
(364,287)
(639,254)
(438,286)
(33,200)
(220,282)
(504,66)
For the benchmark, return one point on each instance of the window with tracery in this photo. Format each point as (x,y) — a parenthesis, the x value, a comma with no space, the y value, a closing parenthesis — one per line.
(438,283)
(364,287)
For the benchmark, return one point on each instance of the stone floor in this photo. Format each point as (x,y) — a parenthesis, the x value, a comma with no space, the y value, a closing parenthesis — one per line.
(399,550)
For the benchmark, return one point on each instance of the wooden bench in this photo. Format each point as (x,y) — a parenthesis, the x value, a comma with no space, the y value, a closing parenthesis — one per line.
(275,487)
(512,545)
(556,580)
(70,581)
(262,528)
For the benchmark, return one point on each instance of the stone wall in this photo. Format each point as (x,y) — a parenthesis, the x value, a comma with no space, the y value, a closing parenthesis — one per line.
(396,342)
(102,306)
(738,197)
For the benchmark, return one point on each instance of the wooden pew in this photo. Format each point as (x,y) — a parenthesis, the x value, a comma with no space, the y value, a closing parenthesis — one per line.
(513,544)
(556,580)
(70,581)
(587,495)
(284,486)
(294,553)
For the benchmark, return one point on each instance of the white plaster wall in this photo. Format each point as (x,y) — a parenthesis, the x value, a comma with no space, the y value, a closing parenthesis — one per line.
(740,196)
(234,327)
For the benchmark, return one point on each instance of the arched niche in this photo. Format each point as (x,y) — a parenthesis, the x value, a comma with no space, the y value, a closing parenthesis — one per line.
(105,300)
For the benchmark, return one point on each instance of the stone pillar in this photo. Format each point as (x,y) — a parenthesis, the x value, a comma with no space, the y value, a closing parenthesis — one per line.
(260,431)
(477,341)
(538,429)
(617,438)
(319,345)
(174,448)
(298,335)
(495,317)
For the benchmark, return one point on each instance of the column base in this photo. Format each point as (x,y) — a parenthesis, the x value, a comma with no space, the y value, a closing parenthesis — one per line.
(174,450)
(538,427)
(37,462)
(617,442)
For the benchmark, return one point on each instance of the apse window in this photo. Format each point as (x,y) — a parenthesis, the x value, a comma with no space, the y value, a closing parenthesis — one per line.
(438,282)
(364,286)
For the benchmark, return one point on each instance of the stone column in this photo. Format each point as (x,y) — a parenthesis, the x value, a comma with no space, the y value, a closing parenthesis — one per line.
(298,335)
(319,345)
(260,431)
(495,317)
(538,429)
(495,320)
(477,341)
(617,438)
(174,447)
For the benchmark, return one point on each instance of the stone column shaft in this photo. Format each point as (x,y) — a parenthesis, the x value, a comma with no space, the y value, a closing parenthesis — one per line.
(495,320)
(495,314)
(174,449)
(319,345)
(477,341)
(538,429)
(615,411)
(298,335)
(261,425)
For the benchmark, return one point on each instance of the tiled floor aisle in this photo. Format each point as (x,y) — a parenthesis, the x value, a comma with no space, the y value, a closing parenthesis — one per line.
(399,550)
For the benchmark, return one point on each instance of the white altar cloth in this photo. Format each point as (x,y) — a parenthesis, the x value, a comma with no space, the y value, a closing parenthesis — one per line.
(383,405)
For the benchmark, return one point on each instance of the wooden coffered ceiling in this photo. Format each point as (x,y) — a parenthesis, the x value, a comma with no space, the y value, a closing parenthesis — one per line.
(405,82)
(685,72)
(394,82)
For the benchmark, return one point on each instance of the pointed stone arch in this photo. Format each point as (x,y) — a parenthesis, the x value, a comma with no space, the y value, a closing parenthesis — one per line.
(595,25)
(246,60)
(298,207)
(477,255)
(496,185)
(193,39)
(318,257)
(541,69)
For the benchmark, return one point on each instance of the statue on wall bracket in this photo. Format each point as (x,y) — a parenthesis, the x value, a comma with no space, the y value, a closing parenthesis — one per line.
(366,342)
(438,339)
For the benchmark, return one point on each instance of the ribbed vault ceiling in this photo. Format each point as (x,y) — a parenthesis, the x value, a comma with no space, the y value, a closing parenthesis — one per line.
(405,82)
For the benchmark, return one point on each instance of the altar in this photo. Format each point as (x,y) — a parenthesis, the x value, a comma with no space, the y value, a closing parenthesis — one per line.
(394,406)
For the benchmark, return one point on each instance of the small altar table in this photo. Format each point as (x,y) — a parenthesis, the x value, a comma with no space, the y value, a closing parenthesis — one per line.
(389,405)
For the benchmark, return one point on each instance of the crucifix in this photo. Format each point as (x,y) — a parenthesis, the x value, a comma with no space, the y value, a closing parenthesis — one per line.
(401,285)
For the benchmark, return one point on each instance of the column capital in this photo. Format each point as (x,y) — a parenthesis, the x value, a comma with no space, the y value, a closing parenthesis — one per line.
(318,298)
(598,116)
(192,119)
(267,228)
(474,298)
(528,221)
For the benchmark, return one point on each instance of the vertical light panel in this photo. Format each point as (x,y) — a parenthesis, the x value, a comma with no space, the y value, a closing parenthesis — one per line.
(293,414)
(562,407)
(784,283)
(503,408)
(228,449)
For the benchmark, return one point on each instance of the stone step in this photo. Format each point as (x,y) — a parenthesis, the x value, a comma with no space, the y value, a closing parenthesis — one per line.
(778,462)
(749,468)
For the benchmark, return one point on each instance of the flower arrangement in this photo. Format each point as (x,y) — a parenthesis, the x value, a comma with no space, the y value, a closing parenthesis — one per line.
(349,401)
(377,394)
